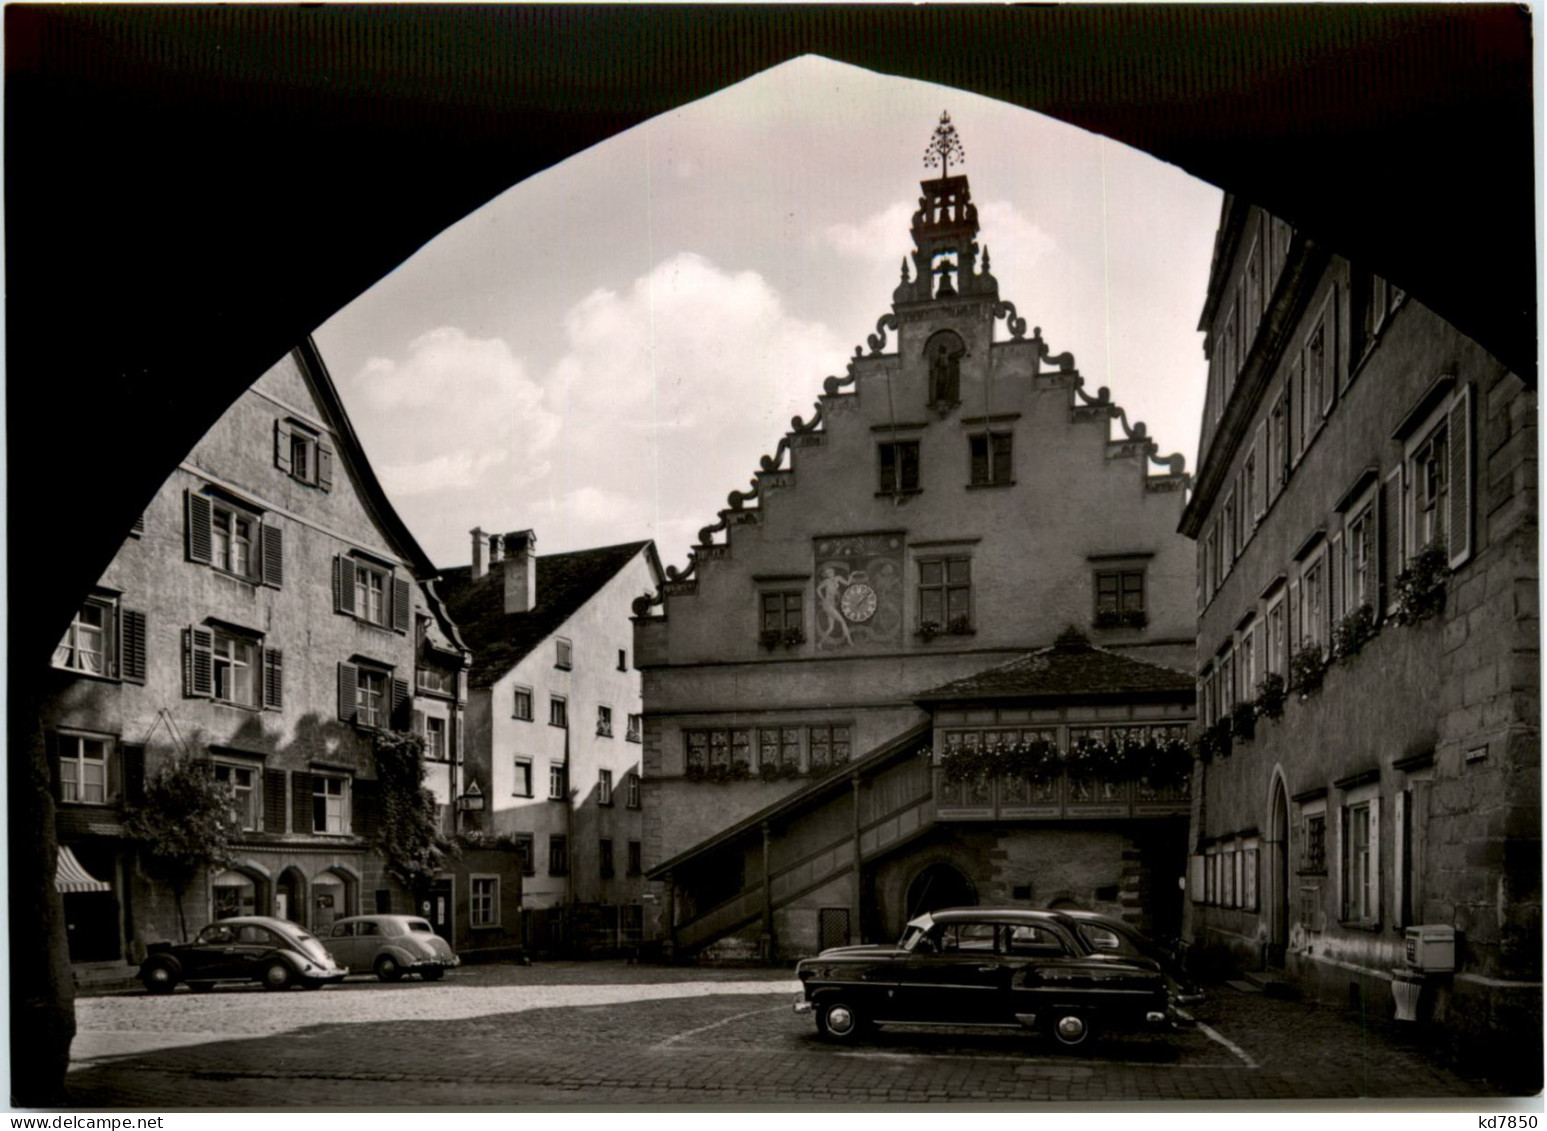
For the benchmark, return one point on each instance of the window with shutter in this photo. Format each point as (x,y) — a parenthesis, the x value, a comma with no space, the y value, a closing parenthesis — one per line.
(1460,517)
(344,584)
(198,662)
(1389,525)
(402,604)
(273,679)
(137,528)
(324,467)
(91,644)
(132,651)
(274,801)
(401,703)
(200,539)
(301,801)
(348,692)
(282,446)
(273,556)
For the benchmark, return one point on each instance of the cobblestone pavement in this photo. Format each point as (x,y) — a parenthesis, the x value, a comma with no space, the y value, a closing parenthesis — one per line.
(601,1034)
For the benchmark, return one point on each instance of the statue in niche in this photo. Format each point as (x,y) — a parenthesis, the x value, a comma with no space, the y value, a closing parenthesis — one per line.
(944,353)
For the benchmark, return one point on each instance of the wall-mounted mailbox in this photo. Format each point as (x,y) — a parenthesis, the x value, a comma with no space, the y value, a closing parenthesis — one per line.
(1432,948)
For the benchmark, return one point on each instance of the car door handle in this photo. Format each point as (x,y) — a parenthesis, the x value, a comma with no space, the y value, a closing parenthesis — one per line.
(987,969)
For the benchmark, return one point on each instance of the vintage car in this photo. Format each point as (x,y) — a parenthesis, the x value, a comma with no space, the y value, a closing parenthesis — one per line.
(391,946)
(1114,936)
(251,948)
(984,966)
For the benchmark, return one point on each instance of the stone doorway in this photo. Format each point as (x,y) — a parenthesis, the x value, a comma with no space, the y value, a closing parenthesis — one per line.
(939,885)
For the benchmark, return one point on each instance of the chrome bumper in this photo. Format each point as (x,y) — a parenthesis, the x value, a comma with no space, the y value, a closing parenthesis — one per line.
(802,1005)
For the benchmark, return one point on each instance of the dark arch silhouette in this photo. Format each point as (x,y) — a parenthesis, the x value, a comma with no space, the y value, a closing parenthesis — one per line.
(939,885)
(189,194)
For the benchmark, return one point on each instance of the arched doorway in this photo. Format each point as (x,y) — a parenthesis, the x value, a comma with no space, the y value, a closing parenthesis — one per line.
(328,902)
(233,893)
(939,885)
(290,896)
(1278,874)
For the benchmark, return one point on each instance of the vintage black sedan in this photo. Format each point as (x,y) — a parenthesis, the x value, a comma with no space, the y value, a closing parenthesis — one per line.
(250,948)
(984,966)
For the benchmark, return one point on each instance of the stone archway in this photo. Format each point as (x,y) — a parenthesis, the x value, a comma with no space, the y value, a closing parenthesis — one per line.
(238,890)
(290,896)
(936,886)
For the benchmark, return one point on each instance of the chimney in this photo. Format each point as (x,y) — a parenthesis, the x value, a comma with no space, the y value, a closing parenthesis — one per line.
(478,570)
(521,571)
(494,551)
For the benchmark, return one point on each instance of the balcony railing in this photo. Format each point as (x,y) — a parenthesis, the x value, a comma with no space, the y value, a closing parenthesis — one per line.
(1065,797)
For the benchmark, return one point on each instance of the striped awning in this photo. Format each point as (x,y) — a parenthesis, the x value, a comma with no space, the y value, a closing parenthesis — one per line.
(70,878)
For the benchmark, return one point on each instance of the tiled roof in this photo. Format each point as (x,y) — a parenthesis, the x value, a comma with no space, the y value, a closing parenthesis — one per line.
(500,640)
(1072,668)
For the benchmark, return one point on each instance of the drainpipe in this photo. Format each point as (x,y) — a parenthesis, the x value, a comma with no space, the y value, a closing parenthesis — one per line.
(855,935)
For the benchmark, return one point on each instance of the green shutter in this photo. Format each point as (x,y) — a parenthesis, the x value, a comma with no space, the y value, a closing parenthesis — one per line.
(274,801)
(273,679)
(324,467)
(282,446)
(301,802)
(348,692)
(344,584)
(198,662)
(402,598)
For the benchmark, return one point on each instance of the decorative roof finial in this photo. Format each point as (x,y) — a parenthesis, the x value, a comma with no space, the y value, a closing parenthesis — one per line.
(905,269)
(943,145)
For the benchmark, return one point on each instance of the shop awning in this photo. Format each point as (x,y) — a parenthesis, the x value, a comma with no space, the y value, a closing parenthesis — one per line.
(70,878)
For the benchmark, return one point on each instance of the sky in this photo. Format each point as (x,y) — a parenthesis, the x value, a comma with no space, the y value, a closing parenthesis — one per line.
(602,353)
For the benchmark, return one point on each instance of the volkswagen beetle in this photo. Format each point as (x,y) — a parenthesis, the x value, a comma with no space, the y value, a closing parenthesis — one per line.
(984,966)
(250,948)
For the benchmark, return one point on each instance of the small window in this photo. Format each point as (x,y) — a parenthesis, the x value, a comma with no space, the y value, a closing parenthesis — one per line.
(622,660)
(245,784)
(484,901)
(783,619)
(371,593)
(234,537)
(604,787)
(1313,859)
(1313,607)
(434,738)
(371,705)
(523,784)
(522,706)
(557,782)
(632,788)
(1360,556)
(526,853)
(829,745)
(235,669)
(604,853)
(564,654)
(558,711)
(1360,863)
(330,804)
(899,467)
(83,778)
(300,453)
(1277,644)
(1430,463)
(991,462)
(636,728)
(1120,598)
(604,722)
(87,643)
(558,856)
(303,456)
(635,857)
(945,593)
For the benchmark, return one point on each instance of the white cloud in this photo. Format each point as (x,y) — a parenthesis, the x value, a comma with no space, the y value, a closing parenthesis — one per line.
(882,238)
(452,416)
(692,360)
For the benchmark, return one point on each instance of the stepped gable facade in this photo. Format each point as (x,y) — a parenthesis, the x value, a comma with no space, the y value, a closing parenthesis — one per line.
(1368,645)
(932,519)
(554,734)
(268,615)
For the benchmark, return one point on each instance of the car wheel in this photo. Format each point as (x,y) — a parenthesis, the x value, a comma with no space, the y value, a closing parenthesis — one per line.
(159,980)
(387,968)
(433,973)
(840,1022)
(277,976)
(1070,1029)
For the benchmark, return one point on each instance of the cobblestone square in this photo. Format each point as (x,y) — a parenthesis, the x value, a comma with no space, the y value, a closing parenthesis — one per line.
(570,1034)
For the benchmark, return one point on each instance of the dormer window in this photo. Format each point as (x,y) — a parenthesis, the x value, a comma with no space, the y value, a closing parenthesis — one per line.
(301,453)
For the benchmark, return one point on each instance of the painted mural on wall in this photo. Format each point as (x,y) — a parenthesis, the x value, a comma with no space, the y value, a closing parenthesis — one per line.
(858,591)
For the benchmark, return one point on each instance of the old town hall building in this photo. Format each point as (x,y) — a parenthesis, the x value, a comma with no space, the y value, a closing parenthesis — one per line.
(912,672)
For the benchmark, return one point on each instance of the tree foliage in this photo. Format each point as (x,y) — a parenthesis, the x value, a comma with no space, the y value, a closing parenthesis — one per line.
(408,835)
(184,825)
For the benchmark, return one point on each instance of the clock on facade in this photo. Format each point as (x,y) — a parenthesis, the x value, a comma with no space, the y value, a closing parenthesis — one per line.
(858,603)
